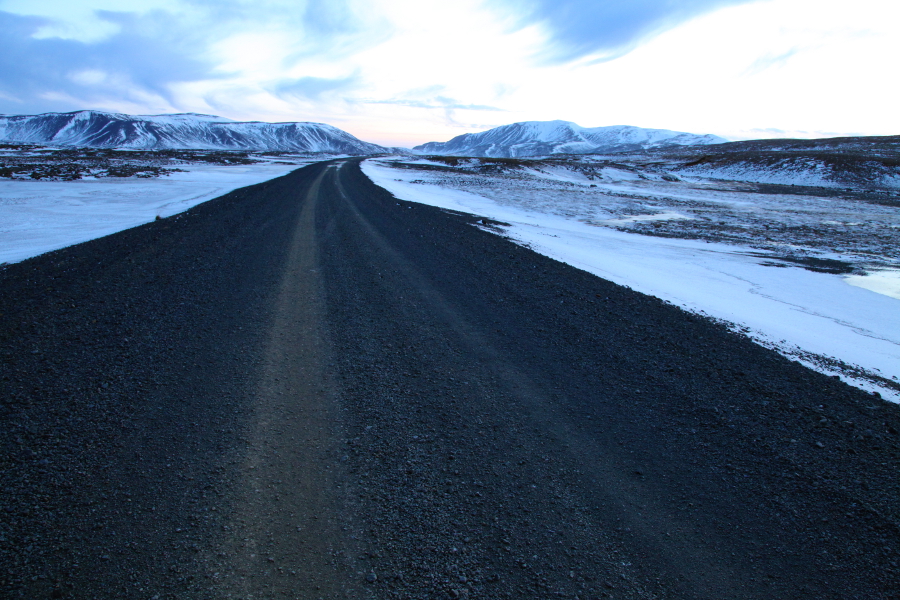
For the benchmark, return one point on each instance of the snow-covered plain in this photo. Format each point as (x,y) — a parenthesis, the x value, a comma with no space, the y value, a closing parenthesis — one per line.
(40,216)
(747,271)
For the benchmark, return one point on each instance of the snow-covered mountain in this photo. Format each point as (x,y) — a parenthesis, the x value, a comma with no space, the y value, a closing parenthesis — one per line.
(88,128)
(541,138)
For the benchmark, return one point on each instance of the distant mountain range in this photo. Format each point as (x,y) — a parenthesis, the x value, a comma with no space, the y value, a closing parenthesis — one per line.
(541,138)
(188,131)
(95,129)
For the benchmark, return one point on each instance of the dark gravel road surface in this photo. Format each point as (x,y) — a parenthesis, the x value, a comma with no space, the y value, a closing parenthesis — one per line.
(308,389)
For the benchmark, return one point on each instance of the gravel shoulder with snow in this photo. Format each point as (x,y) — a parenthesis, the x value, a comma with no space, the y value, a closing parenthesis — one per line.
(812,275)
(41,216)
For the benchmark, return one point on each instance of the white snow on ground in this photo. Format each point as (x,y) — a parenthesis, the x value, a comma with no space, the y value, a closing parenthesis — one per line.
(808,316)
(40,216)
(810,174)
(885,282)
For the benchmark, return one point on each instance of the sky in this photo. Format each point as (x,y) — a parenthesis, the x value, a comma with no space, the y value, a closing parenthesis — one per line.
(405,72)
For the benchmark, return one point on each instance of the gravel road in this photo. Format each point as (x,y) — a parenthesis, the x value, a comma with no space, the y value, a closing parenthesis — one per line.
(308,389)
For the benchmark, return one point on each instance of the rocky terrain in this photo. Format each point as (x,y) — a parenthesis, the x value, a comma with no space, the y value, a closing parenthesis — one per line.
(785,202)
(32,162)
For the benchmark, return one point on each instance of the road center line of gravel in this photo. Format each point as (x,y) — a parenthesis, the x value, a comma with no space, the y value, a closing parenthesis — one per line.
(291,511)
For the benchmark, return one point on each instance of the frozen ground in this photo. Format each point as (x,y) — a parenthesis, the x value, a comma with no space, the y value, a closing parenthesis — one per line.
(37,216)
(809,271)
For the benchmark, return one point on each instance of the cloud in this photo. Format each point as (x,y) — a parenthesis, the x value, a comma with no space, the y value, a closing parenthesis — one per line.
(601,29)
(429,98)
(769,61)
(141,59)
(314,88)
(144,56)
(439,102)
(756,133)
(332,28)
(433,101)
(772,130)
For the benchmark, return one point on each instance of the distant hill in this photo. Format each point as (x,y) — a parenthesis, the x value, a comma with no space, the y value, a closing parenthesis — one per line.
(542,138)
(862,162)
(97,129)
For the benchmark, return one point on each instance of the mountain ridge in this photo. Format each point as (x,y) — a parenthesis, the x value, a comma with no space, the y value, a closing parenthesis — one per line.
(178,131)
(541,138)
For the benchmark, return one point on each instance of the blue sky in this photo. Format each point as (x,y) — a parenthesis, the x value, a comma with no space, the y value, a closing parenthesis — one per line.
(403,72)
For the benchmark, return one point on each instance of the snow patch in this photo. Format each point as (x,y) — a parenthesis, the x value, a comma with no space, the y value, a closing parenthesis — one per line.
(885,282)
